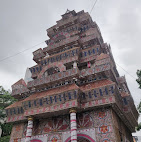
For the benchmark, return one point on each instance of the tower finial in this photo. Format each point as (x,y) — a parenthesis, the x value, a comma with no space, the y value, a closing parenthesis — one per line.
(67,11)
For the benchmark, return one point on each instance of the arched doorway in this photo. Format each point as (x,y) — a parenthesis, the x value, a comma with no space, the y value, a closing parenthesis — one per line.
(82,138)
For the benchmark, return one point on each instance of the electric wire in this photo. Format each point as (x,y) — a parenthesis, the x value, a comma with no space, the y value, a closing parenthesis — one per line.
(19,52)
(93,6)
(126,71)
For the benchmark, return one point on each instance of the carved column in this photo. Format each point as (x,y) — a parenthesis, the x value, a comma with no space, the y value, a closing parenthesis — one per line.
(29,129)
(73,125)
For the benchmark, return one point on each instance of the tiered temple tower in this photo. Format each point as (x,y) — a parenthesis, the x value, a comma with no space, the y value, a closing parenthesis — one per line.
(76,93)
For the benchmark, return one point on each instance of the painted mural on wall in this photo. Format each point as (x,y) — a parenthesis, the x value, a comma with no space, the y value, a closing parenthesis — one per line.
(38,138)
(103,125)
(24,130)
(56,137)
(88,134)
(17,131)
(53,125)
(85,120)
(93,124)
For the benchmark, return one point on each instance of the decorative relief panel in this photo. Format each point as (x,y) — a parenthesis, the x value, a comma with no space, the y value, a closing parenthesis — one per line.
(54,125)
(24,130)
(17,131)
(15,118)
(38,138)
(96,125)
(61,43)
(86,134)
(103,125)
(53,108)
(102,117)
(56,137)
(98,102)
(54,77)
(85,120)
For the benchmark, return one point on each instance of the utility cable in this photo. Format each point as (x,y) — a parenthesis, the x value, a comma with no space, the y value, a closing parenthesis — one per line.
(93,6)
(19,52)
(126,71)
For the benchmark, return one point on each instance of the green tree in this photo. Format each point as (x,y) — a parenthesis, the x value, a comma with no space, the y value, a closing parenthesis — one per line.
(5,100)
(139,78)
(139,106)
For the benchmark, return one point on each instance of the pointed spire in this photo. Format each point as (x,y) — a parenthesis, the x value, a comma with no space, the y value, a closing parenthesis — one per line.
(67,11)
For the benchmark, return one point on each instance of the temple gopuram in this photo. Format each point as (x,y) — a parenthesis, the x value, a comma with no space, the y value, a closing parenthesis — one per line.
(75,93)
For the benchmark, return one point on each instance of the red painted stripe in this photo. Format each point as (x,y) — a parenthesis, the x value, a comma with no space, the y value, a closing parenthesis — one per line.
(28,136)
(73,120)
(81,135)
(73,139)
(73,129)
(29,128)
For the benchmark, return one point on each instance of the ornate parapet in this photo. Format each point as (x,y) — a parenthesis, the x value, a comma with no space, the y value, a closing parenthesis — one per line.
(19,88)
(66,21)
(88,38)
(129,108)
(38,55)
(95,91)
(53,78)
(16,118)
(60,58)
(90,54)
(59,99)
(98,103)
(56,100)
(20,91)
(93,70)
(52,109)
(60,44)
(84,17)
(105,93)
(15,112)
(52,97)
(125,113)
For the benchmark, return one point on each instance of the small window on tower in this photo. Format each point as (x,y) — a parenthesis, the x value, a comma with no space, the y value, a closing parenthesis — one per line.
(90,95)
(21,110)
(69,94)
(106,91)
(125,101)
(35,102)
(89,52)
(18,110)
(95,94)
(29,104)
(41,102)
(55,98)
(101,94)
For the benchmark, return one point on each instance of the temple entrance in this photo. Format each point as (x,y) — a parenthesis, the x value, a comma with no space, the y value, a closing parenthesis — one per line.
(81,138)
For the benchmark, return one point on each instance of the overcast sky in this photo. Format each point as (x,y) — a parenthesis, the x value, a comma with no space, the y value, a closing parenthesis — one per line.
(23,24)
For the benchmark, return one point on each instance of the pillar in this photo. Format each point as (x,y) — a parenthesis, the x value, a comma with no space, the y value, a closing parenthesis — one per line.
(29,129)
(73,125)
